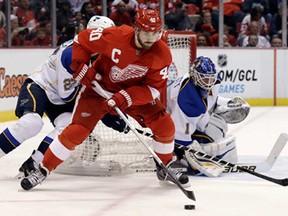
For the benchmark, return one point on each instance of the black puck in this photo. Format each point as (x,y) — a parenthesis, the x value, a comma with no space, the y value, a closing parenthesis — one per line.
(189,207)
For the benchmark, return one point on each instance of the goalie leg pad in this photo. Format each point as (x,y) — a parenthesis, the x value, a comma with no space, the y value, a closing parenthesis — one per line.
(224,149)
(204,166)
(216,127)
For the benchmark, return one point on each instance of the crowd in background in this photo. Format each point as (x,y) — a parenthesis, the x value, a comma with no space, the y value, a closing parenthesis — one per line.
(247,23)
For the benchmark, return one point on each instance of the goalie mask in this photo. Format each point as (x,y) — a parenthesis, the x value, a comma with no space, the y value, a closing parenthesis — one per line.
(148,28)
(203,73)
(100,22)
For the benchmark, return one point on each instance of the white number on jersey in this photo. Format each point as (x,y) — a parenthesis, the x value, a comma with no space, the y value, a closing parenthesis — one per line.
(96,34)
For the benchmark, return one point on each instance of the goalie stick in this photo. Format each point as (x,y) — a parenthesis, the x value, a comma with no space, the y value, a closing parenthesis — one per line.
(103,93)
(282,139)
(263,166)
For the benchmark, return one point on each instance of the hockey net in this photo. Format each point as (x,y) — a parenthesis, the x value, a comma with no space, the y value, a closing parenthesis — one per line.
(107,152)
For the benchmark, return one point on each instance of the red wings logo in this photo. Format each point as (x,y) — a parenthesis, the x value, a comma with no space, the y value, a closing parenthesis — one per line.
(130,72)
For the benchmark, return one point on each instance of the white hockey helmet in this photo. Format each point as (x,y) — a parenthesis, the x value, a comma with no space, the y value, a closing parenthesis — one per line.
(100,21)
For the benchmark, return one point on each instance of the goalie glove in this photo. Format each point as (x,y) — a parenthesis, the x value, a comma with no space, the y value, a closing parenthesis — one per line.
(236,110)
(121,99)
(85,75)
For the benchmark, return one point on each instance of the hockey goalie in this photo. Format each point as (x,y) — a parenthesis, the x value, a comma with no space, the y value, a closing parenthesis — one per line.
(201,117)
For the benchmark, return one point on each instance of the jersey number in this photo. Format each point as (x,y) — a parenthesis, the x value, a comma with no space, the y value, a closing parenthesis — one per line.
(164,73)
(96,34)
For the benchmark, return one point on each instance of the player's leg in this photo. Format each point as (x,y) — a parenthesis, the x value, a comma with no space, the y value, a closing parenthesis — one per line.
(88,111)
(154,116)
(29,110)
(59,122)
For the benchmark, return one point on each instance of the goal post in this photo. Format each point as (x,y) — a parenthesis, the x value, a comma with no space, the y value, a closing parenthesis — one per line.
(107,152)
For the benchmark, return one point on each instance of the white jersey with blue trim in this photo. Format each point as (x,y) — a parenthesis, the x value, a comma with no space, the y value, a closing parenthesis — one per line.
(55,75)
(188,108)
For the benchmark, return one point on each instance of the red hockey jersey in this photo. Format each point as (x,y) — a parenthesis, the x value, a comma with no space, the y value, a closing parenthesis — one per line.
(141,72)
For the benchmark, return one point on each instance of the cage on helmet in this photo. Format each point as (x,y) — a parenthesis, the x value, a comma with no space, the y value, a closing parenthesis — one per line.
(100,22)
(203,72)
(148,20)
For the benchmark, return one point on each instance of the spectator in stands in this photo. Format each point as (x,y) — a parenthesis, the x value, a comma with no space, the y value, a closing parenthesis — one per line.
(178,19)
(87,12)
(206,18)
(263,42)
(252,29)
(68,32)
(232,12)
(41,38)
(248,5)
(228,39)
(201,40)
(26,17)
(76,5)
(64,15)
(41,9)
(97,6)
(120,16)
(276,41)
(213,7)
(276,23)
(255,15)
(19,35)
(252,40)
(2,30)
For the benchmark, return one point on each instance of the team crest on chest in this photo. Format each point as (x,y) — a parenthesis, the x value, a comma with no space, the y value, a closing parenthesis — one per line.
(130,72)
(138,52)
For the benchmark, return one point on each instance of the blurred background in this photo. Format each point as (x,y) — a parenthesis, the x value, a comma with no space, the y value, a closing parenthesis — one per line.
(217,23)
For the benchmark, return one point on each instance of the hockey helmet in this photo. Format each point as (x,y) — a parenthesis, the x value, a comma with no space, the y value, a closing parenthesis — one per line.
(148,20)
(100,21)
(203,72)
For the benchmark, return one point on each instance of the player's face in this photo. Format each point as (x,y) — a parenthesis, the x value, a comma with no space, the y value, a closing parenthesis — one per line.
(147,39)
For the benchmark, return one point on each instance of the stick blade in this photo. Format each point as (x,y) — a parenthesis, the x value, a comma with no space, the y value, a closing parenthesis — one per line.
(190,195)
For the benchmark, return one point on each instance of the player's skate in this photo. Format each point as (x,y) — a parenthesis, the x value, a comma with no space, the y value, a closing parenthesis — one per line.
(164,177)
(35,177)
(26,168)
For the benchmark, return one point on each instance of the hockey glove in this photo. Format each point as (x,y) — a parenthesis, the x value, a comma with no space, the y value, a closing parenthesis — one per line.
(121,99)
(115,122)
(85,75)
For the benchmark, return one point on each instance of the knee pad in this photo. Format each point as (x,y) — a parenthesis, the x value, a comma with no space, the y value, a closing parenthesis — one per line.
(29,125)
(62,121)
(73,135)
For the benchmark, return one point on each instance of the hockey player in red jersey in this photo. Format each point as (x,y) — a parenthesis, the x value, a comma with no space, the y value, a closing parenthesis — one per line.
(132,67)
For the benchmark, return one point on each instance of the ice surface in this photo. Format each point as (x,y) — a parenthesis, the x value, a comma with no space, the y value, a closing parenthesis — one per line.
(141,195)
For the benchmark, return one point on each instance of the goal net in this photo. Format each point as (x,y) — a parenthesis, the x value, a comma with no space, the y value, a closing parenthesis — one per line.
(107,152)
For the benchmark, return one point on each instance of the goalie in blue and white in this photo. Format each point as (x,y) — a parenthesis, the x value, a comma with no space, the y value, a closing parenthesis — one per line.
(201,116)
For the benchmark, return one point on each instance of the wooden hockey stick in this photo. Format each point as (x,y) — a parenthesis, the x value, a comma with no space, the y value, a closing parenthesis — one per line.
(263,166)
(189,194)
(279,145)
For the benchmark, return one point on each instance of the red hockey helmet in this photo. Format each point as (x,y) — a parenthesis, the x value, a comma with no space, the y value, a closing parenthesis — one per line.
(148,20)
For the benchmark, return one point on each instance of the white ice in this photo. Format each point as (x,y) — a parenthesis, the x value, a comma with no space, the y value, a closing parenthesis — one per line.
(141,195)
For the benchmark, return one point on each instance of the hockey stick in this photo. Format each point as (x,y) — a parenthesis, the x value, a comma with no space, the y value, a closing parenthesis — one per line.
(189,194)
(283,182)
(263,166)
(279,145)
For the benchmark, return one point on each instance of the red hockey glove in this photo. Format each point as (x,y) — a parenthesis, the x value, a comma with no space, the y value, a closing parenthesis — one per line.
(121,99)
(85,75)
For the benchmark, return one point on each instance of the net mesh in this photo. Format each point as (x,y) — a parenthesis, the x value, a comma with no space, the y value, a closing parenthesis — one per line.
(107,152)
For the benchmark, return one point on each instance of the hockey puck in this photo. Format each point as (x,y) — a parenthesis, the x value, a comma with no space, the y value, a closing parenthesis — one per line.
(189,207)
